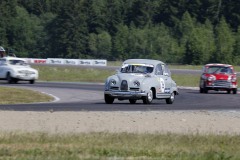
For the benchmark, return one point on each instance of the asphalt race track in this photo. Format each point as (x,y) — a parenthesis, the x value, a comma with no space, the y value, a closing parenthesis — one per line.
(89,97)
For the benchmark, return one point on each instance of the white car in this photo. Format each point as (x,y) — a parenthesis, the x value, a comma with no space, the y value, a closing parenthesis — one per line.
(15,69)
(141,79)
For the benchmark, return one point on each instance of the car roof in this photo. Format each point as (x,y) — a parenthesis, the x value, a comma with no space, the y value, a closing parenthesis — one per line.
(143,61)
(218,64)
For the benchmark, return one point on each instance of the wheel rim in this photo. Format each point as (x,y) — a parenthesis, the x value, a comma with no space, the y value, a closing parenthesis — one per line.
(150,96)
(172,97)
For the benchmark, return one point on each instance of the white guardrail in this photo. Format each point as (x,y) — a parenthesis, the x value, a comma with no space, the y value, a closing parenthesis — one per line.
(60,61)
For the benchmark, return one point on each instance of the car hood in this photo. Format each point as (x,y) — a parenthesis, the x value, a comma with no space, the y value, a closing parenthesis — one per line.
(221,76)
(130,77)
(19,68)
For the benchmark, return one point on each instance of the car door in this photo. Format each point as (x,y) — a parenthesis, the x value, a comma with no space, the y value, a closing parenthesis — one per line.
(167,79)
(161,82)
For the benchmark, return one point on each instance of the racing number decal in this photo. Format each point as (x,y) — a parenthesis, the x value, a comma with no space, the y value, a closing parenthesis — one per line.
(162,85)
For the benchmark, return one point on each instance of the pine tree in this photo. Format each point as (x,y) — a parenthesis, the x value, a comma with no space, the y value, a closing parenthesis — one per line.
(224,42)
(68,32)
(236,53)
(121,42)
(186,28)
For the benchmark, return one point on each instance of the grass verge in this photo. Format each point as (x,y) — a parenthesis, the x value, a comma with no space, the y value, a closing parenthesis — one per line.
(73,74)
(173,66)
(19,96)
(41,146)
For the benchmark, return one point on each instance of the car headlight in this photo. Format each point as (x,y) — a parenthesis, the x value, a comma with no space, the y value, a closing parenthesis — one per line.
(234,79)
(136,83)
(106,85)
(112,82)
(21,72)
(211,78)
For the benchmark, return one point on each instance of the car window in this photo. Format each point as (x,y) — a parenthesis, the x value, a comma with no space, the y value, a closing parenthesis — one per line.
(167,70)
(159,70)
(17,62)
(136,68)
(219,69)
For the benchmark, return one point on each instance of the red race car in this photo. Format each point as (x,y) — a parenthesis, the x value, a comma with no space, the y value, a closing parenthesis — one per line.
(218,77)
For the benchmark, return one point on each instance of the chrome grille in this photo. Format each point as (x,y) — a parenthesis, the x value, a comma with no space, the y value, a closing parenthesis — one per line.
(222,83)
(134,89)
(114,88)
(124,85)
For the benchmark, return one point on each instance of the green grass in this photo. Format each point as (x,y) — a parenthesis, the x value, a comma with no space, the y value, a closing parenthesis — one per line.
(41,146)
(173,66)
(196,67)
(18,96)
(73,74)
(186,80)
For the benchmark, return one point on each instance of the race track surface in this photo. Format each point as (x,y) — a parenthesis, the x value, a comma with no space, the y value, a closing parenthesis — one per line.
(89,97)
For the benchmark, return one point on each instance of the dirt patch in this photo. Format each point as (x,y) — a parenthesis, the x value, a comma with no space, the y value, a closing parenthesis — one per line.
(184,122)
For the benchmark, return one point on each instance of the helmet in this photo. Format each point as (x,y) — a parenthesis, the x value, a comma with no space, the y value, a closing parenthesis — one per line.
(2,49)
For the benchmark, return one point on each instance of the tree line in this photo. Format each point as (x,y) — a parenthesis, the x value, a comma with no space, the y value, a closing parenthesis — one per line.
(176,31)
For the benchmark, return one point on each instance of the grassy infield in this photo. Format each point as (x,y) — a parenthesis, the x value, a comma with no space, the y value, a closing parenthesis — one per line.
(42,146)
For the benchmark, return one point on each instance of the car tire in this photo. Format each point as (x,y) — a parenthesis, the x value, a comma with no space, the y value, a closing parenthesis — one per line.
(170,100)
(9,78)
(235,91)
(132,101)
(32,81)
(205,90)
(201,90)
(228,91)
(148,99)
(108,99)
(15,81)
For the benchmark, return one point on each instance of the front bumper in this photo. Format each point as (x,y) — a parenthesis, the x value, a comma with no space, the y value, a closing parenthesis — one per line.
(126,94)
(26,76)
(221,87)
(220,84)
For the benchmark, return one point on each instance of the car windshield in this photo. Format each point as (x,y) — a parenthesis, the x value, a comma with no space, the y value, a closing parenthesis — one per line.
(219,69)
(137,68)
(17,62)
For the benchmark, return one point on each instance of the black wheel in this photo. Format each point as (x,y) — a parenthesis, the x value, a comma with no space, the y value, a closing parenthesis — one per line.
(9,78)
(32,81)
(15,81)
(132,101)
(148,99)
(201,90)
(205,90)
(108,99)
(228,91)
(170,100)
(235,91)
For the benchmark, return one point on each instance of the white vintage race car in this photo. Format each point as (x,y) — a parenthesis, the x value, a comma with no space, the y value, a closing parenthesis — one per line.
(143,79)
(15,69)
